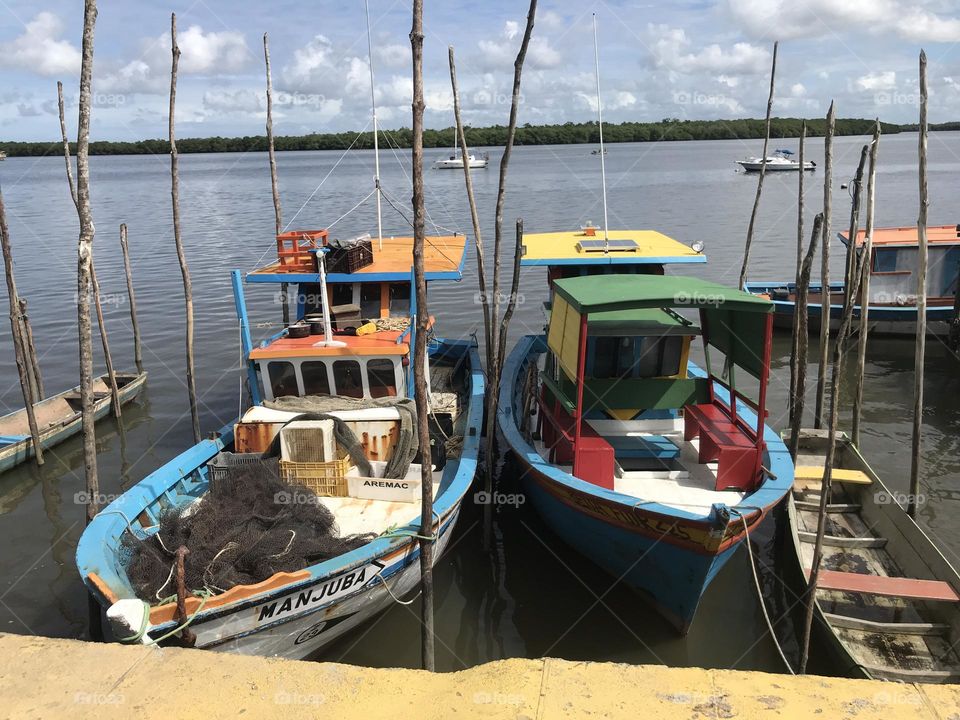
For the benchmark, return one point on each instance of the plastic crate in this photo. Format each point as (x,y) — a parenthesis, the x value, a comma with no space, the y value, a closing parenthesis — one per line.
(349,260)
(221,465)
(326,478)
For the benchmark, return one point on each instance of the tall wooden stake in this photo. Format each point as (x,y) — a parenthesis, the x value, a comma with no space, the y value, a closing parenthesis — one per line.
(16,331)
(66,144)
(796,315)
(104,342)
(849,298)
(181,257)
(825,265)
(420,348)
(137,355)
(921,299)
(802,336)
(763,171)
(865,289)
(274,186)
(36,378)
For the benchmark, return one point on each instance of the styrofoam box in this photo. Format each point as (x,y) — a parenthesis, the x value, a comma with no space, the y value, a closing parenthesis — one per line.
(308,441)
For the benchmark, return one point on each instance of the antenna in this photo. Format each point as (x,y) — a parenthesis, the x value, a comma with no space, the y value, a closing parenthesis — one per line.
(603,164)
(376,142)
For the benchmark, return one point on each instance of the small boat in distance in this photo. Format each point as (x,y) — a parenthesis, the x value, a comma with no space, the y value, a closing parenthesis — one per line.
(781,160)
(886,595)
(599,152)
(3,155)
(892,306)
(455,161)
(58,417)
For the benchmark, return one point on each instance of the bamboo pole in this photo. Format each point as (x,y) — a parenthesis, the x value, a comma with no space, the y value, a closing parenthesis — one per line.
(66,144)
(34,363)
(512,300)
(474,215)
(105,344)
(796,282)
(921,299)
(763,171)
(865,289)
(85,263)
(420,348)
(137,355)
(274,185)
(849,298)
(825,265)
(181,257)
(825,488)
(16,331)
(802,335)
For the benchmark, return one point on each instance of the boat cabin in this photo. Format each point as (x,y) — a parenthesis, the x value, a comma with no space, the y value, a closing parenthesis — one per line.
(893,267)
(617,367)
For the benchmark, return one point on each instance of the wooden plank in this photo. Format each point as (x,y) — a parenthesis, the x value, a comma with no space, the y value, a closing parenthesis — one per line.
(844,542)
(834,508)
(812,472)
(912,676)
(907,588)
(891,628)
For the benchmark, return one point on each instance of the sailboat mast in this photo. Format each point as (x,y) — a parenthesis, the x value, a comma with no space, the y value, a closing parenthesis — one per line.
(376,142)
(603,164)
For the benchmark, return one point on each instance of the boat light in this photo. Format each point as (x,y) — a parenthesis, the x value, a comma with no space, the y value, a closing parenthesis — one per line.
(697,246)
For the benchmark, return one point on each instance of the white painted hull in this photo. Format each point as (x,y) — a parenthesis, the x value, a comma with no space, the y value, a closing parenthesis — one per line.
(775,167)
(458,164)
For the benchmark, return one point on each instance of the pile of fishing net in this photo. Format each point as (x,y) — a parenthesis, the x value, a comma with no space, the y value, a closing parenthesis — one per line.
(248,526)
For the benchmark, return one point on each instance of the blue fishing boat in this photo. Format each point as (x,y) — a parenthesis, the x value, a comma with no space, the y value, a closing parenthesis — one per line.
(892,306)
(650,466)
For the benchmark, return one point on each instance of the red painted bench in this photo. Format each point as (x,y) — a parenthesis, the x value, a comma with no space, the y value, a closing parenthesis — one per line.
(908,588)
(723,440)
(596,455)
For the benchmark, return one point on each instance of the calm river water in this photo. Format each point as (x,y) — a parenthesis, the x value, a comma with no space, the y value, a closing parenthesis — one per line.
(532,596)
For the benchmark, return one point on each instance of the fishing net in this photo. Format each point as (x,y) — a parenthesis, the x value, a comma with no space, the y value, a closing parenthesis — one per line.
(247,527)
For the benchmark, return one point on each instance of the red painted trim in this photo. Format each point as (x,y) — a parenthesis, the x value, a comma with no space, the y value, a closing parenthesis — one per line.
(887,586)
(581,371)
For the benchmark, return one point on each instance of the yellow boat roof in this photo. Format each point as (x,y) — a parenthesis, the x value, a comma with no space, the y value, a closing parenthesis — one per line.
(624,247)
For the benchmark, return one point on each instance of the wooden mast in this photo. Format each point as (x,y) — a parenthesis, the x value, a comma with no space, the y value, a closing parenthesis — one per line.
(825,266)
(274,185)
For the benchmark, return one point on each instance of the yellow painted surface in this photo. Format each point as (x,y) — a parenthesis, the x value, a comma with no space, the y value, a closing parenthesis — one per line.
(563,245)
(44,678)
(815,472)
(563,336)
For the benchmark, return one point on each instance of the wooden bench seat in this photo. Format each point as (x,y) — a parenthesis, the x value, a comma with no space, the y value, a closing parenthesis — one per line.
(810,477)
(907,588)
(723,440)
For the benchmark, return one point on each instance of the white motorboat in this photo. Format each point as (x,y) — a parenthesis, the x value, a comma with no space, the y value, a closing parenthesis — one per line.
(455,161)
(779,161)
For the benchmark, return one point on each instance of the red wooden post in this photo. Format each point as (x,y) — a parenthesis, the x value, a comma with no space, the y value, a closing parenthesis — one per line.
(581,371)
(764,378)
(705,334)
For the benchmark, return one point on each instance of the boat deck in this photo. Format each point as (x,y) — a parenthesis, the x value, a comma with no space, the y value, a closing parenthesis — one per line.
(889,636)
(52,411)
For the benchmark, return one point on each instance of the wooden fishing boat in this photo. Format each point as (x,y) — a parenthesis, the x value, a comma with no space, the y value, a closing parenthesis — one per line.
(886,596)
(893,284)
(58,417)
(650,466)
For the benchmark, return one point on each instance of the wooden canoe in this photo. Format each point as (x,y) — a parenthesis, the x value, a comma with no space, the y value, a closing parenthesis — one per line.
(887,597)
(58,417)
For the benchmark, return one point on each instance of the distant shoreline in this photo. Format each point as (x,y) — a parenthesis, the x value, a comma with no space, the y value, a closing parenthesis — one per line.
(566,134)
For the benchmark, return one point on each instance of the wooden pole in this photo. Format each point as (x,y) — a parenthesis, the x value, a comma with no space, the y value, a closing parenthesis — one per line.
(954,337)
(512,300)
(36,378)
(137,355)
(918,361)
(865,289)
(825,265)
(16,331)
(420,348)
(796,283)
(825,488)
(274,185)
(802,335)
(850,299)
(104,342)
(66,144)
(181,257)
(474,215)
(763,171)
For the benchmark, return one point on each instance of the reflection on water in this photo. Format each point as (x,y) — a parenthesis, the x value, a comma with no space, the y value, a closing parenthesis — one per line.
(531,595)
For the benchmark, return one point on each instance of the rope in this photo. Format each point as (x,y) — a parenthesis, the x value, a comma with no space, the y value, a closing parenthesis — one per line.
(395,598)
(204,595)
(369,195)
(756,582)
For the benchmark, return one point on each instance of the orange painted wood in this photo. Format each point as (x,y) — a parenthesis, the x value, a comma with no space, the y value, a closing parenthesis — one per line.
(909,588)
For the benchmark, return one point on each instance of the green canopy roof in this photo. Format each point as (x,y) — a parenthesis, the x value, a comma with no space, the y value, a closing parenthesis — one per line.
(602,293)
(640,321)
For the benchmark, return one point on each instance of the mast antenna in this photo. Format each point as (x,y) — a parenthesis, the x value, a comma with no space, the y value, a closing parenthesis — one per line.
(376,142)
(603,164)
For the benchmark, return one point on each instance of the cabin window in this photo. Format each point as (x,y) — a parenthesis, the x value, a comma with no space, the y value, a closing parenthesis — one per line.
(283,379)
(885,260)
(315,379)
(634,357)
(341,293)
(399,298)
(381,378)
(369,300)
(347,378)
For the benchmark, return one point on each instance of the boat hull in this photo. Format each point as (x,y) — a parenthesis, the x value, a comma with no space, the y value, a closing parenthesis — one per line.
(775,167)
(668,556)
(16,453)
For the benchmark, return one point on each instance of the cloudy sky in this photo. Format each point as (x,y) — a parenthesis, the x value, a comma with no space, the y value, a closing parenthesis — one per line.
(686,59)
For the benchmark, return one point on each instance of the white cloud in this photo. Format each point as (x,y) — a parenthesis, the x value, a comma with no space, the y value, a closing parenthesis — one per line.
(885,80)
(393,54)
(669,50)
(785,19)
(40,50)
(243,100)
(500,53)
